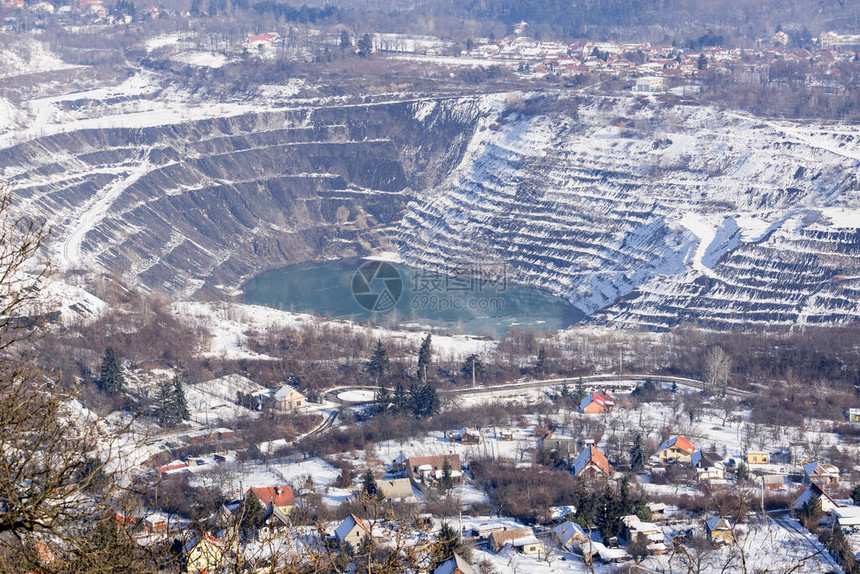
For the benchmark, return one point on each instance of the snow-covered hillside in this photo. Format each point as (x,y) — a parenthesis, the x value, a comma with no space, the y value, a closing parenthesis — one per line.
(647,215)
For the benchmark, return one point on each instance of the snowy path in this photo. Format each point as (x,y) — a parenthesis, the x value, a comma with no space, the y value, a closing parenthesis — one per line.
(94,212)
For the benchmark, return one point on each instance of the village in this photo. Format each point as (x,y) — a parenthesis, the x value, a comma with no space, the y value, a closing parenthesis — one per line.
(656,481)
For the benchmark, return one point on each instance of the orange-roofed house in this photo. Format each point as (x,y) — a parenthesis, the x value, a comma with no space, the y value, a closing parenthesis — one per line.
(591,463)
(204,554)
(676,449)
(279,496)
(598,402)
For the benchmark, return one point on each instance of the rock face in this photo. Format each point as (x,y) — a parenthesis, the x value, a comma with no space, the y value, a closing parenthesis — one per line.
(640,213)
(212,202)
(644,215)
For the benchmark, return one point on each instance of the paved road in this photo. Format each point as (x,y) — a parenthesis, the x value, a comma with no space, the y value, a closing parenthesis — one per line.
(593,381)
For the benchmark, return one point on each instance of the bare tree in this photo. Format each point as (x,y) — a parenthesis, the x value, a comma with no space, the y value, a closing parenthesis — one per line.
(717,369)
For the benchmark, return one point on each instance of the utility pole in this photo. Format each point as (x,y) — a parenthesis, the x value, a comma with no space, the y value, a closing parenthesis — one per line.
(473,374)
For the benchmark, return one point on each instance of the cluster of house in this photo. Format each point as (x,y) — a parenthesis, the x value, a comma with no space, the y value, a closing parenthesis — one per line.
(91,11)
(652,67)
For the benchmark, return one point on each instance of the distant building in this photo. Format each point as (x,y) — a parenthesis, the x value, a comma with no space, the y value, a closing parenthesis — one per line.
(396,489)
(430,468)
(455,565)
(676,449)
(598,402)
(591,463)
(719,530)
(278,496)
(834,41)
(568,534)
(204,554)
(352,530)
(853,415)
(825,475)
(707,466)
(289,399)
(847,517)
(523,540)
(758,458)
(812,493)
(649,85)
(635,530)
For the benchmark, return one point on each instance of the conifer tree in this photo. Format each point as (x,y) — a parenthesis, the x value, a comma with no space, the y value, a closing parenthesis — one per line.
(401,398)
(448,543)
(179,403)
(540,365)
(425,356)
(164,397)
(446,483)
(253,513)
(637,455)
(471,366)
(111,382)
(377,366)
(369,488)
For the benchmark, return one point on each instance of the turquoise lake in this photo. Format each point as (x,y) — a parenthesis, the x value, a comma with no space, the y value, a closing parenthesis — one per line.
(475,302)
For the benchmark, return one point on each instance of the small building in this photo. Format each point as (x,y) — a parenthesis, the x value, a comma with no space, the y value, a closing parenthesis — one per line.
(430,468)
(289,399)
(812,493)
(396,488)
(846,517)
(649,85)
(635,530)
(454,565)
(825,475)
(591,463)
(707,466)
(774,481)
(484,529)
(720,530)
(590,549)
(352,531)
(279,496)
(204,554)
(597,402)
(561,448)
(465,435)
(569,534)
(676,449)
(658,510)
(156,522)
(853,415)
(758,458)
(523,540)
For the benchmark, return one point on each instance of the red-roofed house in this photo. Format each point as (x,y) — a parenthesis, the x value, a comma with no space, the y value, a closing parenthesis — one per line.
(597,402)
(280,496)
(591,463)
(676,449)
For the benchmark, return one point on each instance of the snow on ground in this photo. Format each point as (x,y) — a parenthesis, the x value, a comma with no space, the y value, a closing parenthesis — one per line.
(227,386)
(228,323)
(28,56)
(356,396)
(282,91)
(236,477)
(211,409)
(201,59)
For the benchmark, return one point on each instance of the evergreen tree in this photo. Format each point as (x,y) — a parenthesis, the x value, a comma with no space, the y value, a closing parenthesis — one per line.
(401,398)
(540,363)
(580,390)
(608,515)
(743,473)
(377,366)
(448,543)
(446,483)
(179,403)
(344,39)
(625,503)
(564,392)
(111,382)
(637,455)
(425,400)
(425,356)
(369,488)
(164,396)
(855,495)
(253,513)
(382,398)
(472,365)
(365,46)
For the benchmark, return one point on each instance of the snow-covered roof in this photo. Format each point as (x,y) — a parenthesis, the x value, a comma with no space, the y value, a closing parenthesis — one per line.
(347,525)
(287,392)
(718,523)
(679,442)
(821,469)
(567,530)
(847,515)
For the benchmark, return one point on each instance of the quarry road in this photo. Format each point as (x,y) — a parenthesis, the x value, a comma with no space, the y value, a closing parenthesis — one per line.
(95,210)
(342,394)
